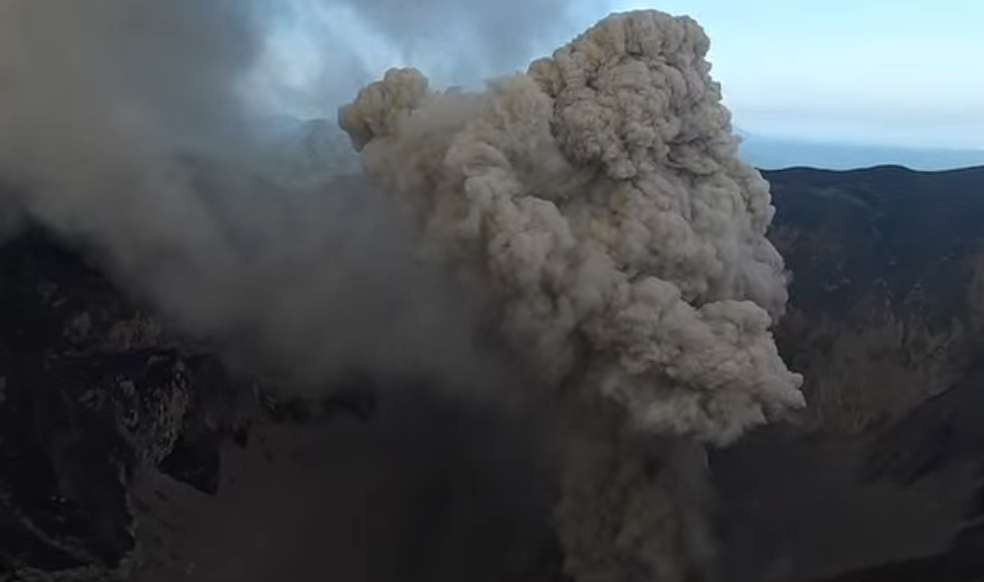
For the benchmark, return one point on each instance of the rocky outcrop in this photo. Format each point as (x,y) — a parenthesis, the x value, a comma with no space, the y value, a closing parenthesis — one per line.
(884,323)
(886,289)
(92,388)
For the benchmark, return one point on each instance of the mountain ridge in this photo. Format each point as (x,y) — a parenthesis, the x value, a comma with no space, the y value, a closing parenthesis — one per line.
(776,153)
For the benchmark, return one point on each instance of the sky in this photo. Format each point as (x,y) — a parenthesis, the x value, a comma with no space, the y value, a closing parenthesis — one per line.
(904,73)
(892,72)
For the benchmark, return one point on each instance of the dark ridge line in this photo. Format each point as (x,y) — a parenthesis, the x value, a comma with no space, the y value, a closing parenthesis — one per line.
(876,168)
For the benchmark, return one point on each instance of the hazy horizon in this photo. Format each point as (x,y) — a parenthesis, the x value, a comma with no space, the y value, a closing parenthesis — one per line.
(776,153)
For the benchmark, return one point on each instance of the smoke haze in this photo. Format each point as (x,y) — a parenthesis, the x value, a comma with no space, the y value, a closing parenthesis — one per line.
(320,52)
(125,125)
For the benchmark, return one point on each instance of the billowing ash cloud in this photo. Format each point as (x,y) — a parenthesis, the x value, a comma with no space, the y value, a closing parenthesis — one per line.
(600,195)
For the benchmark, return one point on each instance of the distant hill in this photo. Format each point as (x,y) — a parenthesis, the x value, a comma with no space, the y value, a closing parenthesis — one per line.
(880,476)
(773,153)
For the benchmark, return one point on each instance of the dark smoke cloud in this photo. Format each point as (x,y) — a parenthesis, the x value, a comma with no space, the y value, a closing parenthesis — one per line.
(128,126)
(109,72)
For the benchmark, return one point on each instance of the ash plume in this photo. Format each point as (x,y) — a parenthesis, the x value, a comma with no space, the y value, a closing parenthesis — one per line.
(601,198)
(601,195)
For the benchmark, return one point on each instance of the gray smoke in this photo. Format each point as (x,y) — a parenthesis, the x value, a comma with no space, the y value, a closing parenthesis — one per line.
(127,126)
(601,197)
(333,47)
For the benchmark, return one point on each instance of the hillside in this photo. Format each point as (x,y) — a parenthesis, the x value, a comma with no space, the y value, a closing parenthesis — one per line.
(879,476)
(883,322)
(773,153)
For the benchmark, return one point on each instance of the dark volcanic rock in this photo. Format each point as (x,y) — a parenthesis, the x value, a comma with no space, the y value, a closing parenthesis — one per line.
(886,292)
(883,321)
(90,388)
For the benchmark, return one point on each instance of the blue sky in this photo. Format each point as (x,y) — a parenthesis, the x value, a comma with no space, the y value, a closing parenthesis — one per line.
(890,72)
(899,72)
